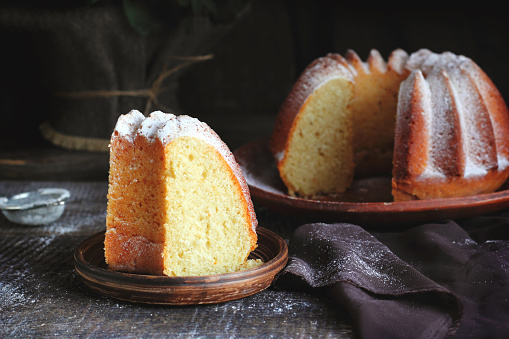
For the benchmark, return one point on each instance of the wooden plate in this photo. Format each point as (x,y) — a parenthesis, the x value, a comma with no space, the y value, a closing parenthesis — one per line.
(368,203)
(90,265)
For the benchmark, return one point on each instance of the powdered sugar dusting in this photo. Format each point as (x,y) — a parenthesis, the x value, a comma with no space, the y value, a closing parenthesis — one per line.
(324,254)
(397,61)
(503,162)
(321,72)
(128,124)
(11,295)
(474,120)
(442,128)
(363,255)
(429,106)
(151,125)
(279,155)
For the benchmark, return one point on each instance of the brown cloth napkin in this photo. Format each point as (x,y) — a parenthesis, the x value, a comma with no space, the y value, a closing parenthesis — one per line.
(430,281)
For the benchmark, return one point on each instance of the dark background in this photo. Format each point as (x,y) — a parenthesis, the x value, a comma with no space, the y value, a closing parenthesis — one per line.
(238,92)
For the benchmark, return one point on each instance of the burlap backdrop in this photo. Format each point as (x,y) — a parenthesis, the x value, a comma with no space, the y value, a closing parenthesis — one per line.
(94,66)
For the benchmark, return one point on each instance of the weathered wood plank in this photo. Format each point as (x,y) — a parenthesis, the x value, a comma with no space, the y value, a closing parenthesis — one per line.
(42,295)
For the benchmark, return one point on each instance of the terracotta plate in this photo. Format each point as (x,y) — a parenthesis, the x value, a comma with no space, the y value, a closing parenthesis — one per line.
(368,203)
(90,265)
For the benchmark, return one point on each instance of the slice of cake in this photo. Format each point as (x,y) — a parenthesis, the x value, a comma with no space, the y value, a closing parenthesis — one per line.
(178,204)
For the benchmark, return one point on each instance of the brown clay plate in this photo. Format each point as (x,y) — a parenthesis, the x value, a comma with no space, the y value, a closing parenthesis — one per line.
(149,289)
(368,202)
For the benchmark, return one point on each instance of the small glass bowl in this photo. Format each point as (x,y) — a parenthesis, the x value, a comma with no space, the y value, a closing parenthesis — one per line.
(40,207)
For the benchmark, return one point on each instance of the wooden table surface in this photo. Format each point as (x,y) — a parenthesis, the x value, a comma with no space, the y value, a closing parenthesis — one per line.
(42,295)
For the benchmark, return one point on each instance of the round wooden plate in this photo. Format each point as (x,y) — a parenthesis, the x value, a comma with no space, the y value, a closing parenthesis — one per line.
(90,265)
(367,203)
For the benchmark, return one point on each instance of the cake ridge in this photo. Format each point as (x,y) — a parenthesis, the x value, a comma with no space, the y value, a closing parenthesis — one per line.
(397,61)
(376,62)
(446,152)
(482,154)
(414,96)
(356,63)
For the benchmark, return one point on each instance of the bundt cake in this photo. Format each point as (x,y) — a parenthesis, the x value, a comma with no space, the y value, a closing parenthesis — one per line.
(435,120)
(178,204)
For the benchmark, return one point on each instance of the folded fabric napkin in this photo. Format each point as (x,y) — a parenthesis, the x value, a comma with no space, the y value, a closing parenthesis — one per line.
(430,281)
